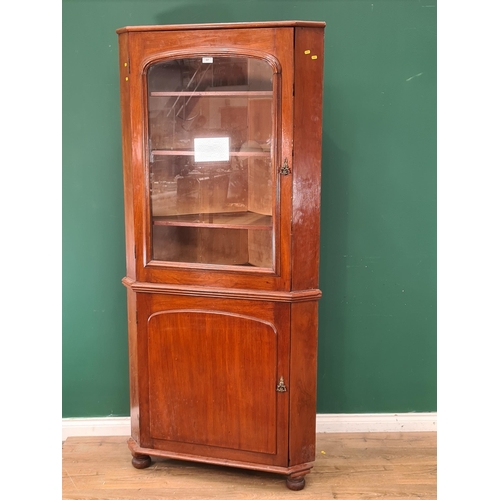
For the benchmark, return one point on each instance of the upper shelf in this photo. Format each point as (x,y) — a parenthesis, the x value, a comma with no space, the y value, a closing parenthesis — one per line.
(172,152)
(216,93)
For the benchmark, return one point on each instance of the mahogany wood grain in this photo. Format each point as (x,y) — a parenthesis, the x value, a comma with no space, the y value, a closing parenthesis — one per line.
(125,106)
(209,374)
(296,471)
(229,293)
(303,362)
(134,364)
(209,341)
(308,107)
(146,47)
(213,379)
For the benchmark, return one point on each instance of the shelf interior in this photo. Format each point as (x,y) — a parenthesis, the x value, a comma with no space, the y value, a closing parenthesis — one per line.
(235,220)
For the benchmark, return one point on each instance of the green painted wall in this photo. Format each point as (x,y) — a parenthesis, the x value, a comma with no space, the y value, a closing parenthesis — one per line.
(377,345)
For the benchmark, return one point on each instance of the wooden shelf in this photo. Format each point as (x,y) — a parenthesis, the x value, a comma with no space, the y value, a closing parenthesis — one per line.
(179,152)
(232,220)
(216,93)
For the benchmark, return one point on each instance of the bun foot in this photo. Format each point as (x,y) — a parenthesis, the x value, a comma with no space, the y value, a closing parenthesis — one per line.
(295,483)
(141,461)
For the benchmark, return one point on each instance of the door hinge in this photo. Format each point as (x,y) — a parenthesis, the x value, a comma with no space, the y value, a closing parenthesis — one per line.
(281,387)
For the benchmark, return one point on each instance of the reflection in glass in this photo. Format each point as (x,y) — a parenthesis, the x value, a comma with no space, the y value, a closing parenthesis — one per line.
(210,165)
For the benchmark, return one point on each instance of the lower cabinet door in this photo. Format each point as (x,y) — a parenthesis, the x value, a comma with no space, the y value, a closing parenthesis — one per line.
(213,368)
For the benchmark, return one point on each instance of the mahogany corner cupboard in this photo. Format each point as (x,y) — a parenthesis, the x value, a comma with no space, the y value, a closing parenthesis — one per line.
(221,151)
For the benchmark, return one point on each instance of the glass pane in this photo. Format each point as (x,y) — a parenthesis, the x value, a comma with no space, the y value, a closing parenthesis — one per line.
(210,166)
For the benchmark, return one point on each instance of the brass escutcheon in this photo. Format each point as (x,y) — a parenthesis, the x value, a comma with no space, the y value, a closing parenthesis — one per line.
(285,169)
(281,386)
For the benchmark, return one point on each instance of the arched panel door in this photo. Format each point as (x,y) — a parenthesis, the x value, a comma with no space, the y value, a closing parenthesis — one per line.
(212,381)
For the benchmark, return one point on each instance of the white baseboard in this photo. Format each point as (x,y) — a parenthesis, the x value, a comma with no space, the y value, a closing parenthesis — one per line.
(325,422)
(100,426)
(376,422)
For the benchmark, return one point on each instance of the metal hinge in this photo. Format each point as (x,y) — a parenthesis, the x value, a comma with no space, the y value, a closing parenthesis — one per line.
(281,387)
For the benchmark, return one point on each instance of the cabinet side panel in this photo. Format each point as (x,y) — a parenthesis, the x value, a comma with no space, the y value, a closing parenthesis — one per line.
(307,157)
(133,363)
(303,361)
(126,153)
(143,306)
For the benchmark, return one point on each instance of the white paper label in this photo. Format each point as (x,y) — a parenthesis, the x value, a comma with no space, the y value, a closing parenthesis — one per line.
(207,59)
(211,149)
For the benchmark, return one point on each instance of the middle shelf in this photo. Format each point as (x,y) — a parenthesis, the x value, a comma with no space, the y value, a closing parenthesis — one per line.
(228,220)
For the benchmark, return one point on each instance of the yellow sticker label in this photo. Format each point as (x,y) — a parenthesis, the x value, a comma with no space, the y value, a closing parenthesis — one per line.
(314,57)
(307,51)
(125,64)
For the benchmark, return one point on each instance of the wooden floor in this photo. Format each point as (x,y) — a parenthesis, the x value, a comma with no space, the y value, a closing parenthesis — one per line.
(348,466)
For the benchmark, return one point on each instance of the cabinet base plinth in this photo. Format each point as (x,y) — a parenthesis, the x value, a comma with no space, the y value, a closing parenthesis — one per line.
(294,475)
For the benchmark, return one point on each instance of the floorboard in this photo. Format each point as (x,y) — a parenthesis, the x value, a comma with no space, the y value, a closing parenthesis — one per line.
(348,466)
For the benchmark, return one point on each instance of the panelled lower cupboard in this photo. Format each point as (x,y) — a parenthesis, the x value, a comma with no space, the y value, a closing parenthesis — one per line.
(222,160)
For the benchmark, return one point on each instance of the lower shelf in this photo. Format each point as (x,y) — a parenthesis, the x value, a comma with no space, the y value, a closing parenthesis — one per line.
(202,243)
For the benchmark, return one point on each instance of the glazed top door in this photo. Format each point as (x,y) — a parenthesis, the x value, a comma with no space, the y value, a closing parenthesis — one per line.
(211,134)
(211,179)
